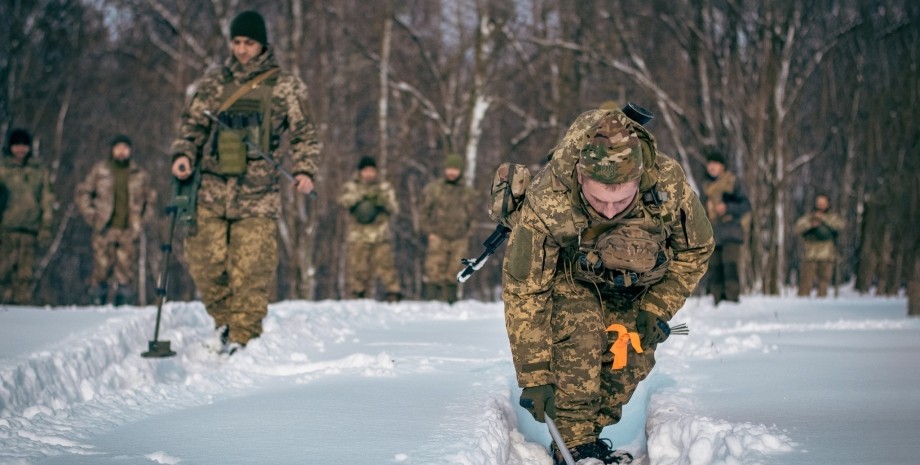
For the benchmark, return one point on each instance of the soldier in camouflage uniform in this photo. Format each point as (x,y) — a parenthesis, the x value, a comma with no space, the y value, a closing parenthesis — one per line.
(819,230)
(116,200)
(370,202)
(610,241)
(728,208)
(26,207)
(233,252)
(448,209)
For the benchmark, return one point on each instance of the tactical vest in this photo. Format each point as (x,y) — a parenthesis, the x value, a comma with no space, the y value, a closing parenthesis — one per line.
(623,255)
(248,117)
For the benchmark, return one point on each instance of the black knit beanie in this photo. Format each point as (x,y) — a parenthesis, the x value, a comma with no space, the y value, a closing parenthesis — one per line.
(20,137)
(716,156)
(367,162)
(121,139)
(249,24)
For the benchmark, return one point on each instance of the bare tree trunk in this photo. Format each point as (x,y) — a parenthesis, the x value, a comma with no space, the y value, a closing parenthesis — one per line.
(383,102)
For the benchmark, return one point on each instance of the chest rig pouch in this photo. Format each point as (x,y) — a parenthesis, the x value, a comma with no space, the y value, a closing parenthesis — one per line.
(629,254)
(247,113)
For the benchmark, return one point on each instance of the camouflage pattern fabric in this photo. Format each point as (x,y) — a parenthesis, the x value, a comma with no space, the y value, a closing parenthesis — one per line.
(233,263)
(383,195)
(448,209)
(115,256)
(27,201)
(368,261)
(727,189)
(17,257)
(819,247)
(255,193)
(810,270)
(95,197)
(443,259)
(556,324)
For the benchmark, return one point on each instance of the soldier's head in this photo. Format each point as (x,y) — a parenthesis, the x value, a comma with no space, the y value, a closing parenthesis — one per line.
(19,144)
(248,36)
(610,165)
(367,169)
(121,147)
(822,203)
(453,167)
(715,163)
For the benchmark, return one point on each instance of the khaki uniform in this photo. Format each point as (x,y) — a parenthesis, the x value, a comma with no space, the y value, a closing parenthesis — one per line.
(370,249)
(115,245)
(724,280)
(819,236)
(448,213)
(26,208)
(232,254)
(557,321)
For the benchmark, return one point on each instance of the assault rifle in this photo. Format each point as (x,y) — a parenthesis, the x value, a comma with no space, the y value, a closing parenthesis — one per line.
(491,244)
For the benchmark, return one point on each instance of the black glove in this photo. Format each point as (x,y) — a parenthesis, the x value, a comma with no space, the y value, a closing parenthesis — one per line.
(652,330)
(538,400)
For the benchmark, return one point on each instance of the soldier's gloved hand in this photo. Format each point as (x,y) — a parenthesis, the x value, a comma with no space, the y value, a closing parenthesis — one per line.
(649,327)
(538,400)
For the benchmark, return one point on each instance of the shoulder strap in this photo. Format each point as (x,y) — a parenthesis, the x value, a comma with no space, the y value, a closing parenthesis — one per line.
(245,89)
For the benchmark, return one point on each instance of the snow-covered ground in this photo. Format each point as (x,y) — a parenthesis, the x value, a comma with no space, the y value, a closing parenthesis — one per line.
(772,380)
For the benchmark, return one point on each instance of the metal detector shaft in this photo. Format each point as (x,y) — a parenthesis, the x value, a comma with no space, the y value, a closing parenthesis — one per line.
(157,348)
(563,449)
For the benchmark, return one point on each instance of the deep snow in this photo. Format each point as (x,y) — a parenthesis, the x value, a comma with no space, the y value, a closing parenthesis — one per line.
(772,380)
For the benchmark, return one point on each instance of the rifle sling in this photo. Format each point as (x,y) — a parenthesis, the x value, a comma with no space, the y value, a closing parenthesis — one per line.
(243,90)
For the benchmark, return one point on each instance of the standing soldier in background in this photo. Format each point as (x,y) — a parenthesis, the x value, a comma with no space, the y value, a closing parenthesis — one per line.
(116,199)
(26,207)
(610,242)
(819,230)
(726,206)
(233,251)
(448,209)
(370,202)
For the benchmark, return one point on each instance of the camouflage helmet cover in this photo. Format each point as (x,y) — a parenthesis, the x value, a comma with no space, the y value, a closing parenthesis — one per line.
(611,153)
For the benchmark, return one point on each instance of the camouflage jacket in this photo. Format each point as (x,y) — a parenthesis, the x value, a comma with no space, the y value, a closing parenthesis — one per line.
(819,235)
(552,221)
(380,193)
(95,196)
(448,209)
(26,201)
(257,192)
(727,189)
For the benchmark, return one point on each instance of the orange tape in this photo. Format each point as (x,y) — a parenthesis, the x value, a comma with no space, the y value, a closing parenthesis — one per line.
(620,347)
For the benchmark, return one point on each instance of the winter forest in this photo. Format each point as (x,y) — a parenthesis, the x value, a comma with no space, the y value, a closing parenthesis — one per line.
(804,97)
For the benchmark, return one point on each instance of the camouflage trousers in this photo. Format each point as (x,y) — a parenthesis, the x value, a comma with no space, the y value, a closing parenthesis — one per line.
(590,393)
(115,256)
(17,258)
(810,269)
(442,262)
(233,264)
(723,279)
(368,261)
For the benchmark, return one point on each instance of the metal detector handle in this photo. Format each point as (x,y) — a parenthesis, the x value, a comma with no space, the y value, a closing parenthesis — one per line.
(563,449)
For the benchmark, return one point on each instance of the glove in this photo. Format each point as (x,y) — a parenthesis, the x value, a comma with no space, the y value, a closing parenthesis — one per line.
(651,329)
(44,237)
(538,400)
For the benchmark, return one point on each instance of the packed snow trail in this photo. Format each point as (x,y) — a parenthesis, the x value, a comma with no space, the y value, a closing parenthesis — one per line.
(362,382)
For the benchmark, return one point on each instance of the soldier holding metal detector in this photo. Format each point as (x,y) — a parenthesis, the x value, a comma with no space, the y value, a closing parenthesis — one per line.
(605,245)
(229,134)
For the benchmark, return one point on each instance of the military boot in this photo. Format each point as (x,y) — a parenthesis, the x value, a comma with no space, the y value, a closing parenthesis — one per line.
(600,450)
(124,295)
(393,297)
(451,292)
(100,294)
(431,291)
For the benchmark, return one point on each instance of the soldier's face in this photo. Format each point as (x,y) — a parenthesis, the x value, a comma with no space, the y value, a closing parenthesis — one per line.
(121,151)
(368,174)
(821,203)
(245,49)
(19,151)
(608,199)
(715,169)
(452,174)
